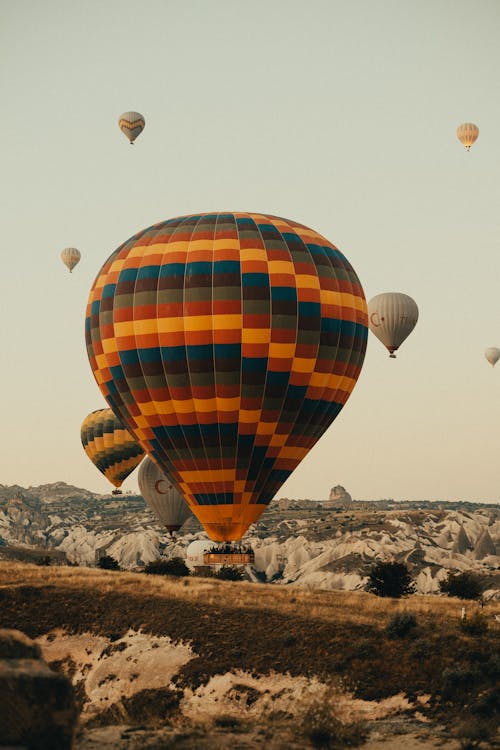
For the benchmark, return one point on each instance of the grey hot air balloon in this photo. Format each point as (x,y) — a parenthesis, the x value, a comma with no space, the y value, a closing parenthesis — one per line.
(131,124)
(70,256)
(392,316)
(467,134)
(162,497)
(492,354)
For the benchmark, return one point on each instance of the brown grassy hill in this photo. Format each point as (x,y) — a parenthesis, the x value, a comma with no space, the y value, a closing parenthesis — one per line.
(337,637)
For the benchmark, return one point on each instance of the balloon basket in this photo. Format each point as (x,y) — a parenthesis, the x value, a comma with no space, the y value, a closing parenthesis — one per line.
(117,492)
(229,554)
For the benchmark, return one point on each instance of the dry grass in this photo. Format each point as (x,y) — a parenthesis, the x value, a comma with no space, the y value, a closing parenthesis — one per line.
(261,628)
(354,607)
(339,637)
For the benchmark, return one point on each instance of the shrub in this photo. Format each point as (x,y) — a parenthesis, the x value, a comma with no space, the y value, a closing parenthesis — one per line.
(390,579)
(476,625)
(463,585)
(173,567)
(487,704)
(108,563)
(43,560)
(230,573)
(472,733)
(400,625)
(457,682)
(325,731)
(423,649)
(260,576)
(204,572)
(227,722)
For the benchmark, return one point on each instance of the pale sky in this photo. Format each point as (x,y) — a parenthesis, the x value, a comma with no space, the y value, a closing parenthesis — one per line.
(339,115)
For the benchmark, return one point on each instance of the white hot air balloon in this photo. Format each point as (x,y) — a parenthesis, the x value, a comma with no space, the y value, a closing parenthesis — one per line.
(467,134)
(392,316)
(492,354)
(131,124)
(70,256)
(162,497)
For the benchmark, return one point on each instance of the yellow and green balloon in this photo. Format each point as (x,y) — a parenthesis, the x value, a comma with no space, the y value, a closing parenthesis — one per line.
(110,447)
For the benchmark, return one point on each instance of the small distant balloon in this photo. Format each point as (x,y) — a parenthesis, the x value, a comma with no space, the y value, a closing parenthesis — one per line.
(392,316)
(467,134)
(70,256)
(132,124)
(492,354)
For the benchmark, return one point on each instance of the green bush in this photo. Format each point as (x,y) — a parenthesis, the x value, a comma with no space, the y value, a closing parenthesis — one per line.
(475,625)
(325,732)
(463,585)
(400,625)
(487,704)
(457,682)
(230,573)
(173,567)
(472,733)
(108,563)
(422,648)
(227,722)
(204,572)
(390,579)
(260,576)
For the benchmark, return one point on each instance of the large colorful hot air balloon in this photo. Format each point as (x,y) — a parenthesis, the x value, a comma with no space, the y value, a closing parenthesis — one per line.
(110,447)
(131,124)
(70,256)
(492,354)
(227,343)
(163,498)
(467,134)
(392,316)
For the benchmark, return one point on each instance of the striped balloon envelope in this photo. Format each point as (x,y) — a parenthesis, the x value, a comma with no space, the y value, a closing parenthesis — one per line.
(131,124)
(227,343)
(110,447)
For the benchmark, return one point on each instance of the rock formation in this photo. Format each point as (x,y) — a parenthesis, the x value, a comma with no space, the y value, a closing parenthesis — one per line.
(37,706)
(462,543)
(339,497)
(484,546)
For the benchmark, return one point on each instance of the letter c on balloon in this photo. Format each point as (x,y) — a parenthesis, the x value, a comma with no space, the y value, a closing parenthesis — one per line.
(372,319)
(157,487)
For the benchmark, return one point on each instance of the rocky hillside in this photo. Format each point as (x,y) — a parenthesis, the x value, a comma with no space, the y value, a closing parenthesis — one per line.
(304,543)
(196,663)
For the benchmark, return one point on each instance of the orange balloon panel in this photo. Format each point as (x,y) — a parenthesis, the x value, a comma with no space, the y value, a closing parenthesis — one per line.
(227,343)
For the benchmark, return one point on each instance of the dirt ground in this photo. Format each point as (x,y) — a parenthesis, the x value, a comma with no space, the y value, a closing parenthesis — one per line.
(389,736)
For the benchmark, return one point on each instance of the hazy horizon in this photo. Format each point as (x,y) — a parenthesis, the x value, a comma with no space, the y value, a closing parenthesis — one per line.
(340,116)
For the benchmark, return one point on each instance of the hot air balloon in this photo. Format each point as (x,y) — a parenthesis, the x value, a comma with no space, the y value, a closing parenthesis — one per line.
(392,317)
(467,134)
(70,256)
(492,355)
(227,343)
(163,498)
(110,447)
(132,124)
